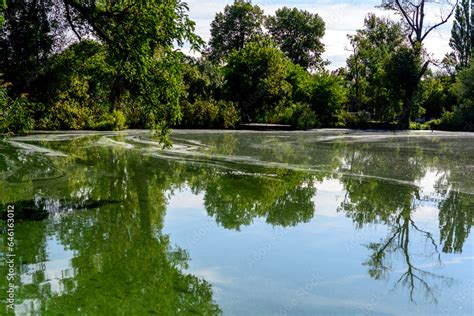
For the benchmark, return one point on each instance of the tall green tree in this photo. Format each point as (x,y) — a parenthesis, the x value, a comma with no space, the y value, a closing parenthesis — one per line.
(256,78)
(298,33)
(414,14)
(461,34)
(231,29)
(327,97)
(25,42)
(141,37)
(373,47)
(466,85)
(402,71)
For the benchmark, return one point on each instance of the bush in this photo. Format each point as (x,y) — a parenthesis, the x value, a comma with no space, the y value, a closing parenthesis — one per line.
(461,119)
(327,98)
(256,79)
(421,126)
(78,86)
(208,114)
(298,115)
(462,116)
(15,114)
(228,116)
(111,121)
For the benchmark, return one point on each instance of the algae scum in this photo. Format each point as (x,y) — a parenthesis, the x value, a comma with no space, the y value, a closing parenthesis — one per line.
(240,223)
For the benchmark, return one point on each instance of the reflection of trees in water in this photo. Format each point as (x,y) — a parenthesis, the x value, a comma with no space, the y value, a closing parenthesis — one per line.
(391,201)
(236,200)
(393,206)
(398,243)
(281,196)
(106,238)
(455,220)
(122,263)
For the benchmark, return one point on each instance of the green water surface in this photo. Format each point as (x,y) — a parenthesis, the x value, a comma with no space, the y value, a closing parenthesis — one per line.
(328,222)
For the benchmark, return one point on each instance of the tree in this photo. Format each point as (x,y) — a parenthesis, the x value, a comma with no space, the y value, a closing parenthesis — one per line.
(327,96)
(237,25)
(403,71)
(414,14)
(141,38)
(3,6)
(437,94)
(256,78)
(298,33)
(373,47)
(464,113)
(25,42)
(472,28)
(75,89)
(461,34)
(466,85)
(203,79)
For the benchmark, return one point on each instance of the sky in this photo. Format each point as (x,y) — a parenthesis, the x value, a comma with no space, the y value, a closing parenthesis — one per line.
(342,17)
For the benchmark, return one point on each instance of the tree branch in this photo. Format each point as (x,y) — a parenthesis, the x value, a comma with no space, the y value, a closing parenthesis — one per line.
(405,14)
(443,21)
(69,20)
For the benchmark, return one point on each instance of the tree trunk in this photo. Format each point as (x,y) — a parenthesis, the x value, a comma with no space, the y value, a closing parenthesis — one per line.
(404,121)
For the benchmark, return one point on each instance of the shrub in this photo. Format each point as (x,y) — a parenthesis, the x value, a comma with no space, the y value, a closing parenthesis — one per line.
(15,114)
(78,86)
(327,98)
(110,121)
(354,119)
(228,116)
(208,114)
(462,118)
(298,115)
(256,79)
(420,126)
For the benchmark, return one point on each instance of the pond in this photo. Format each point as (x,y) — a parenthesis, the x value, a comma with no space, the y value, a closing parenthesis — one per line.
(328,222)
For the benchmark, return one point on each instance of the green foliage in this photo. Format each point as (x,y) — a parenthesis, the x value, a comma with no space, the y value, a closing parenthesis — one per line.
(472,29)
(14,113)
(298,33)
(203,79)
(437,95)
(209,114)
(26,42)
(240,23)
(77,85)
(256,78)
(114,121)
(300,80)
(3,6)
(298,115)
(461,34)
(373,48)
(359,119)
(462,118)
(328,95)
(466,85)
(141,38)
(414,15)
(423,126)
(133,75)
(404,72)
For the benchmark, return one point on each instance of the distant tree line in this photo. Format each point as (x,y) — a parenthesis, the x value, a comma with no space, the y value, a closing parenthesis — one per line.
(73,64)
